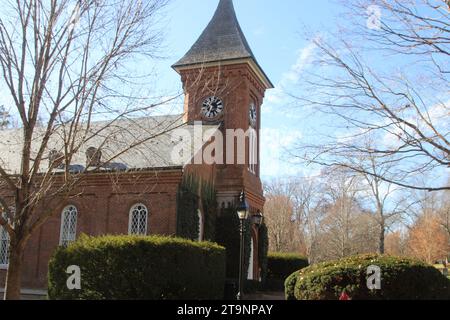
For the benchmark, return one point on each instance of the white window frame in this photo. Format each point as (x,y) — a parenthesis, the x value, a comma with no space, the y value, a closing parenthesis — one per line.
(251,269)
(5,241)
(68,234)
(4,248)
(201,226)
(252,151)
(130,220)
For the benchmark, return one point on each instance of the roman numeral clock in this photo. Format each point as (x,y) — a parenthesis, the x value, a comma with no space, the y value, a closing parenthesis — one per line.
(212,108)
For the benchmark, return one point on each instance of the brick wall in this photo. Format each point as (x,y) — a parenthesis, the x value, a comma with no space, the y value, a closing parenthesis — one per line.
(237,85)
(105,199)
(103,208)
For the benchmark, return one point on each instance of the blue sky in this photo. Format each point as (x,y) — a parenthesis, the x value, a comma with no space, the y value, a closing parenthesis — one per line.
(275,31)
(273,28)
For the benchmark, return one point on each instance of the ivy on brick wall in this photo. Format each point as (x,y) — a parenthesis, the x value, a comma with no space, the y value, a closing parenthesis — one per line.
(187,206)
(228,236)
(263,250)
(222,228)
(209,203)
(192,191)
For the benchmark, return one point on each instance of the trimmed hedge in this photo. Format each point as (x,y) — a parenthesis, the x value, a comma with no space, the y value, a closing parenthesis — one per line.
(134,267)
(280,266)
(401,279)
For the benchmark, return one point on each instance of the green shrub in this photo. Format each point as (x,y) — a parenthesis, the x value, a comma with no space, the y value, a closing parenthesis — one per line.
(289,285)
(133,267)
(401,279)
(280,266)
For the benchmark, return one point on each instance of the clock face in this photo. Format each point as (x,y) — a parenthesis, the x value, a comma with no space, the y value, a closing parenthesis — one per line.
(253,115)
(212,107)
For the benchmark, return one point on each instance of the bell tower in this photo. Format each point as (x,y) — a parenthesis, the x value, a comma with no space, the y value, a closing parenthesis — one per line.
(224,84)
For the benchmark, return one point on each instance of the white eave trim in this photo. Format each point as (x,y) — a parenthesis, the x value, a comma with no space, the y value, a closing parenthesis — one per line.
(251,62)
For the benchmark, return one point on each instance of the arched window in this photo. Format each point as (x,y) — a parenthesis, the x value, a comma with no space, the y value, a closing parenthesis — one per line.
(201,226)
(68,231)
(251,275)
(138,220)
(4,247)
(253,151)
(5,242)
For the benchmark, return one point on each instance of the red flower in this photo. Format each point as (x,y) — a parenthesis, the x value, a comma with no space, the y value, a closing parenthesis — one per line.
(344,296)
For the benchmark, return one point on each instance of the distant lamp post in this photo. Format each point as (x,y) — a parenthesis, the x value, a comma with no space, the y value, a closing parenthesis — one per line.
(242,212)
(257,219)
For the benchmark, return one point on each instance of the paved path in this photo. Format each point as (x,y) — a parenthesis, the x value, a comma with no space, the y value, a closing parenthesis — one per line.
(266,296)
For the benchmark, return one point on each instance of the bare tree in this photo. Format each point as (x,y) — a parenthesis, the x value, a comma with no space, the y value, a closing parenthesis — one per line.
(4,118)
(279,212)
(428,235)
(427,239)
(386,78)
(322,215)
(395,244)
(444,210)
(308,200)
(65,65)
(345,228)
(385,199)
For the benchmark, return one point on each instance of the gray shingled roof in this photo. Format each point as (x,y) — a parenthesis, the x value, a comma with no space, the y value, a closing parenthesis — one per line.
(222,39)
(157,152)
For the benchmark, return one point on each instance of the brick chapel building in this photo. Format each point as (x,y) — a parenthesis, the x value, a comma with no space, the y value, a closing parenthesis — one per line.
(224,88)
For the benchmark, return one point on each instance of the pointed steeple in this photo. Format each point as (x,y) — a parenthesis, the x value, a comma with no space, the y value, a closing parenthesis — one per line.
(221,42)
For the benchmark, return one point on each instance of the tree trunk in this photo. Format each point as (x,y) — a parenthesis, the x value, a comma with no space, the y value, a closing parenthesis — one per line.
(381,248)
(13,276)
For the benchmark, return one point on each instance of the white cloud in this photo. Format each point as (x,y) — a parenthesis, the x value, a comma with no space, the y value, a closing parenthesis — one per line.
(276,142)
(437,115)
(292,77)
(304,59)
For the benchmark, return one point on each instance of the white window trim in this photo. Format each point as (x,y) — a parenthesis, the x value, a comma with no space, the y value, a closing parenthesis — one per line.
(4,266)
(3,231)
(253,151)
(130,218)
(251,269)
(201,226)
(63,213)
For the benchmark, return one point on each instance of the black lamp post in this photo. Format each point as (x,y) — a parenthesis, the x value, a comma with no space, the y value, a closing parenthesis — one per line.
(242,212)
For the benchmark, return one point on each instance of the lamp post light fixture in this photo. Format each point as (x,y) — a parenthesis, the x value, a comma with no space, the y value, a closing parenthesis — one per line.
(257,219)
(242,212)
